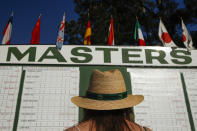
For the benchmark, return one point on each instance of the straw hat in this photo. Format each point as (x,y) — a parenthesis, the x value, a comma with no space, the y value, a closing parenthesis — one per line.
(107,91)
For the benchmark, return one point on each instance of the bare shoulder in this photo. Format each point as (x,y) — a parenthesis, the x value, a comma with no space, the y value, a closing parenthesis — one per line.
(148,129)
(83,126)
(144,128)
(135,126)
(73,128)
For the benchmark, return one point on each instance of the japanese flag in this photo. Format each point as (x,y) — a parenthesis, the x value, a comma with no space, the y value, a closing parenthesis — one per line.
(164,36)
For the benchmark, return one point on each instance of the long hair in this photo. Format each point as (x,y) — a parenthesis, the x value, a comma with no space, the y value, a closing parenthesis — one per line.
(109,120)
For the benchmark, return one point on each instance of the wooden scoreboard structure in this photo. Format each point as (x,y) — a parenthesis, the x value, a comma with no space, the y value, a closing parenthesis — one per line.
(37,82)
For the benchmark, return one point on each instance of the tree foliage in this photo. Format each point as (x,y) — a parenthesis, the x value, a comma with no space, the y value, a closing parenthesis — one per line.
(124,13)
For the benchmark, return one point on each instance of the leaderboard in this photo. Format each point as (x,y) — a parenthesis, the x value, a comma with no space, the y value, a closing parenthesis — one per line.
(164,107)
(190,81)
(46,97)
(45,100)
(45,94)
(9,88)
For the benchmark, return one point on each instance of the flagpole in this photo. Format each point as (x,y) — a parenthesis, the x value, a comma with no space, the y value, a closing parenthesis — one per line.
(135,31)
(88,33)
(136,17)
(88,13)
(8,30)
(187,35)
(159,28)
(111,27)
(12,13)
(89,39)
(113,42)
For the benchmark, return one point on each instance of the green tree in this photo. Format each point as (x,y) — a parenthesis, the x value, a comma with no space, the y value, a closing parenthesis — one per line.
(124,13)
(191,18)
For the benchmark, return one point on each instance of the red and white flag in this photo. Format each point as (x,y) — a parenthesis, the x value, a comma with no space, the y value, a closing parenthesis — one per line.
(8,31)
(164,36)
(111,33)
(138,33)
(187,39)
(35,38)
(60,37)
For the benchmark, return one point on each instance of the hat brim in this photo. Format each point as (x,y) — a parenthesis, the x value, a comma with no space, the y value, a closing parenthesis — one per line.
(129,101)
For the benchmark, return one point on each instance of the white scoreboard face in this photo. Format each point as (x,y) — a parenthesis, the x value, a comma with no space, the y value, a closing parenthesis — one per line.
(9,89)
(170,98)
(45,98)
(165,107)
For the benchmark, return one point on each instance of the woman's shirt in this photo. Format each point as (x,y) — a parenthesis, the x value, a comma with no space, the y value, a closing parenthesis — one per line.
(91,126)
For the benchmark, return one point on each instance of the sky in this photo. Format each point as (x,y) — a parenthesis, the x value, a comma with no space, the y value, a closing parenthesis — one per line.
(26,13)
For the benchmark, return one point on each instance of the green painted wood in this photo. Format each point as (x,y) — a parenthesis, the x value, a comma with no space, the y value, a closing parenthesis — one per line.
(187,103)
(19,101)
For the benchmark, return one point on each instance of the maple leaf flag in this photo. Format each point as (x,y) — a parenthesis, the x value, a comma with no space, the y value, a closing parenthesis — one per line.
(35,38)
(164,36)
(88,33)
(187,39)
(8,31)
(111,33)
(60,37)
(138,32)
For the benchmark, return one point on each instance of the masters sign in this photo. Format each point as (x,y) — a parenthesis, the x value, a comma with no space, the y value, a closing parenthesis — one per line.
(97,55)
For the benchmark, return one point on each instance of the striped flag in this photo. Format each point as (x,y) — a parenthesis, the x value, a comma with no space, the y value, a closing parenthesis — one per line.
(138,32)
(164,36)
(60,37)
(88,33)
(35,38)
(111,33)
(8,31)
(187,39)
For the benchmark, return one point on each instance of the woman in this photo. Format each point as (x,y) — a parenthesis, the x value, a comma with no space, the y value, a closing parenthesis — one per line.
(107,106)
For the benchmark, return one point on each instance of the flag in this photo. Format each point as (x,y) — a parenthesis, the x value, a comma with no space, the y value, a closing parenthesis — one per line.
(111,33)
(88,33)
(138,32)
(60,37)
(35,38)
(7,31)
(164,36)
(187,39)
